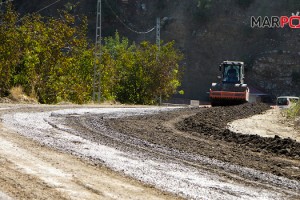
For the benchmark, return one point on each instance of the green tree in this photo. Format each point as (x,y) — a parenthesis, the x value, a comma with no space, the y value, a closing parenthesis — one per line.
(139,73)
(117,59)
(9,48)
(56,60)
(157,72)
(52,60)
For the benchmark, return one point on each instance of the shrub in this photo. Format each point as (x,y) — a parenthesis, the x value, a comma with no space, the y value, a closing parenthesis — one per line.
(293,111)
(17,94)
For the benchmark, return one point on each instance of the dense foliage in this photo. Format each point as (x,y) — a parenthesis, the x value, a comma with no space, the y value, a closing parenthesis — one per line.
(53,61)
(139,74)
(33,55)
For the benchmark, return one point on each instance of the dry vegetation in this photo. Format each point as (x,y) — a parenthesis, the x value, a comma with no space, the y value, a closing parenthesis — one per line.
(17,95)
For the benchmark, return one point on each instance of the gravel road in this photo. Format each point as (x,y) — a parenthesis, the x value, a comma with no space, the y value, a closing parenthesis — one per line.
(177,152)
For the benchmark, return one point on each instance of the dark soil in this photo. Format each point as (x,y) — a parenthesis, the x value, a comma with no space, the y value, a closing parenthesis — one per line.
(203,132)
(212,123)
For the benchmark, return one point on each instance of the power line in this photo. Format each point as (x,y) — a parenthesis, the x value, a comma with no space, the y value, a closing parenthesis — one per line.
(47,6)
(129,28)
(97,69)
(41,9)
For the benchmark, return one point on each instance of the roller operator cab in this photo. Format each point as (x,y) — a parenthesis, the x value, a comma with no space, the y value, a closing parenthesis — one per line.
(231,90)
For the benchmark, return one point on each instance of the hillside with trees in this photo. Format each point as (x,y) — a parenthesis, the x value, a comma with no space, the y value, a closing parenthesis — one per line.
(206,32)
(52,59)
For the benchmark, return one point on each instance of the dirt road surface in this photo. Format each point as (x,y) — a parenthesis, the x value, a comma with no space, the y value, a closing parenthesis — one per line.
(31,170)
(88,152)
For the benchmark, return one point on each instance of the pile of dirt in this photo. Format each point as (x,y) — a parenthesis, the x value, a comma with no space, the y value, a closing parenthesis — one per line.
(203,132)
(213,122)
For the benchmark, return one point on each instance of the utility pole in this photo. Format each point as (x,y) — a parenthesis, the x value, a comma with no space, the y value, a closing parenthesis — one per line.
(97,64)
(158,46)
(158,33)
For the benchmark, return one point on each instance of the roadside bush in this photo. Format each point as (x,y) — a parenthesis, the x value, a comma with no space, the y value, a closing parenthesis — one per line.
(17,94)
(293,111)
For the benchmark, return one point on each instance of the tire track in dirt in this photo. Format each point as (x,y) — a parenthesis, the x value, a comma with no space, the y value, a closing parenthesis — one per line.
(240,174)
(150,141)
(164,124)
(30,170)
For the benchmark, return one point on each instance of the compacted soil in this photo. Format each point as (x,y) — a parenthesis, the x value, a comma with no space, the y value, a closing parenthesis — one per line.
(205,132)
(187,152)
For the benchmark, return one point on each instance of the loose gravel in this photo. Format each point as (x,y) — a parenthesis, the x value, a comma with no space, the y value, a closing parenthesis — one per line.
(86,133)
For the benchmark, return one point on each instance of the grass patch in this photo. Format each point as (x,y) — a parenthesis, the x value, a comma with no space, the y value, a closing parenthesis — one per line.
(293,111)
